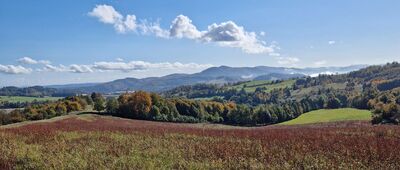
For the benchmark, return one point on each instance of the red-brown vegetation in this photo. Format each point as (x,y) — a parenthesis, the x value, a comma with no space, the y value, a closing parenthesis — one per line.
(332,145)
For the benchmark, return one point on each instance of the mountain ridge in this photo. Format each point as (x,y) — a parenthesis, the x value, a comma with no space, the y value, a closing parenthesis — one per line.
(215,75)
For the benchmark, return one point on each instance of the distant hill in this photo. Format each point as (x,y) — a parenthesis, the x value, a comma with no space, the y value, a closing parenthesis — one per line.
(71,86)
(213,75)
(34,91)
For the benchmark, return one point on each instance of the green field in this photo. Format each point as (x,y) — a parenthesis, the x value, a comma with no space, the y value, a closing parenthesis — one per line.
(333,115)
(15,99)
(253,85)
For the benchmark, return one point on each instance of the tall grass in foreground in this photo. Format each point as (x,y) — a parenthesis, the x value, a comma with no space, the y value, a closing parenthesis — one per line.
(108,143)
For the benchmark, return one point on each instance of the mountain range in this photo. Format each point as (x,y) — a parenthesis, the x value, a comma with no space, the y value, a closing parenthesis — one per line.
(214,75)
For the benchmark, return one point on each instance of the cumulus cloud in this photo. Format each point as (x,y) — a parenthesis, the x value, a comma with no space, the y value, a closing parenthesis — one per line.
(331,42)
(231,35)
(108,15)
(28,60)
(289,61)
(225,34)
(182,27)
(12,69)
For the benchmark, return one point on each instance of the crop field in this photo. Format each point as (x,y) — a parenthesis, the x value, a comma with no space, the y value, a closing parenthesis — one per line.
(253,85)
(330,115)
(100,142)
(14,99)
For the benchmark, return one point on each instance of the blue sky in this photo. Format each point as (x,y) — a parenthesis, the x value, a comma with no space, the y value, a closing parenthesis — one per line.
(65,41)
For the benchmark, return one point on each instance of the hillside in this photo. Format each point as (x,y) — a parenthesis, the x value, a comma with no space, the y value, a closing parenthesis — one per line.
(333,115)
(376,88)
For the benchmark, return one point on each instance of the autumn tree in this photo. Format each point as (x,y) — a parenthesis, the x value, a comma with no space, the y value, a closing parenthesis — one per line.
(135,105)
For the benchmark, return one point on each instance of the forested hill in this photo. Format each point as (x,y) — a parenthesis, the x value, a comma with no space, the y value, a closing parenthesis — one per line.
(34,91)
(375,87)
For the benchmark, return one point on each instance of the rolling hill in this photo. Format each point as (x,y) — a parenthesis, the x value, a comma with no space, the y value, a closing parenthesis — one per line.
(330,115)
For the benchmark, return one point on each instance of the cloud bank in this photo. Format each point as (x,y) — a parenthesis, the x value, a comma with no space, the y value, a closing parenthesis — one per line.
(122,66)
(12,69)
(225,34)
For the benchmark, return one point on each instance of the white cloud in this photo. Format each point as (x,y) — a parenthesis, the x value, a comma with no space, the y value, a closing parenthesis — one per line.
(80,68)
(331,42)
(52,68)
(289,61)
(231,35)
(225,34)
(12,69)
(122,66)
(323,73)
(142,65)
(108,15)
(262,33)
(182,27)
(320,63)
(130,22)
(153,28)
(74,68)
(119,59)
(28,60)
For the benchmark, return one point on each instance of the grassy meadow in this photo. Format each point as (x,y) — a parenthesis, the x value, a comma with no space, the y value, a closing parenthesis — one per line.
(105,142)
(253,85)
(330,115)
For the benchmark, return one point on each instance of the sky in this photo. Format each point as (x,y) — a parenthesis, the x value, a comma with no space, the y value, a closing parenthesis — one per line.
(46,42)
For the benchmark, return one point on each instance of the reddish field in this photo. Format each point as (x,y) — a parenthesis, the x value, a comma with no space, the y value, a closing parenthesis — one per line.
(346,145)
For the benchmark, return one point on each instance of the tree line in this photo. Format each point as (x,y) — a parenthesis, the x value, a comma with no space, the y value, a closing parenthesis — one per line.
(46,110)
